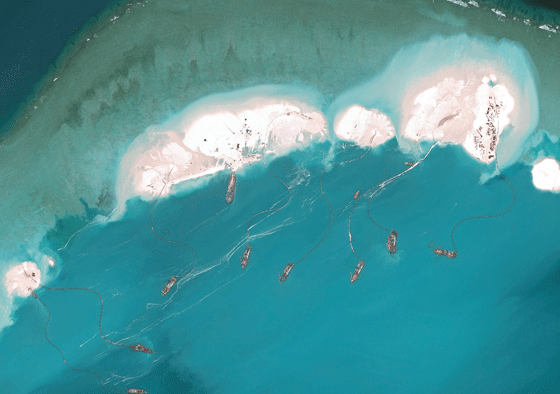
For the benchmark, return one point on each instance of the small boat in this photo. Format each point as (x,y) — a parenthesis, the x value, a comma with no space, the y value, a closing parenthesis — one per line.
(141,348)
(136,391)
(168,286)
(357,270)
(245,258)
(230,194)
(392,242)
(408,163)
(444,252)
(356,195)
(287,269)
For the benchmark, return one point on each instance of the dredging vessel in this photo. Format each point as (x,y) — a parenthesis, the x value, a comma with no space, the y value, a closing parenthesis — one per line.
(136,391)
(245,258)
(230,194)
(287,269)
(444,252)
(357,270)
(141,348)
(168,286)
(392,242)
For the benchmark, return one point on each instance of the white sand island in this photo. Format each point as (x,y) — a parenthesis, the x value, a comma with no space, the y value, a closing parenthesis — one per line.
(23,279)
(463,108)
(363,126)
(546,175)
(222,131)
(460,90)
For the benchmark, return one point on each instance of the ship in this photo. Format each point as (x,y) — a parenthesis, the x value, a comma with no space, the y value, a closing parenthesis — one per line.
(357,270)
(392,242)
(168,286)
(245,258)
(230,194)
(136,391)
(34,295)
(286,272)
(444,252)
(356,195)
(408,163)
(141,348)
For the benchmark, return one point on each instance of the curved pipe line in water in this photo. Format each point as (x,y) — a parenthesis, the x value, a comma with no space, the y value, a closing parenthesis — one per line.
(328,202)
(504,178)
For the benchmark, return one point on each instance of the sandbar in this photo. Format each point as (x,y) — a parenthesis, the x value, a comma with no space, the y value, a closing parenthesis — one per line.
(546,175)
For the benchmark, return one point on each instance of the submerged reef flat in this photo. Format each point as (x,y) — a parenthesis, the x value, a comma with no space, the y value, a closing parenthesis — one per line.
(154,94)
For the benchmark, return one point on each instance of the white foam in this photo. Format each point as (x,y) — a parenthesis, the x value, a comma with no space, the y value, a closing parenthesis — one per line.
(23,279)
(363,126)
(546,175)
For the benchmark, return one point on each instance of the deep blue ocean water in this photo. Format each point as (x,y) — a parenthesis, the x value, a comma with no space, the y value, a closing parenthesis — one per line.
(33,33)
(412,323)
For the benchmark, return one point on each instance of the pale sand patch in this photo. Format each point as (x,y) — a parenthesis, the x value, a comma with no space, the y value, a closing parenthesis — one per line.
(50,261)
(546,175)
(469,107)
(23,279)
(363,126)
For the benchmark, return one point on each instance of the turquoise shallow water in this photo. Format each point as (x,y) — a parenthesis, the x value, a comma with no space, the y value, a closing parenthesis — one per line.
(412,323)
(486,322)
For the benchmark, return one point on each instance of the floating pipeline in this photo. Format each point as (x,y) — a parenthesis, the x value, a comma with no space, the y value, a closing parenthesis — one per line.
(491,130)
(171,282)
(138,347)
(290,265)
(128,390)
(392,238)
(249,248)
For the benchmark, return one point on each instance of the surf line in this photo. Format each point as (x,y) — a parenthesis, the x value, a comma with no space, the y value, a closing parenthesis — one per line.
(288,268)
(128,390)
(138,347)
(171,282)
(392,238)
(492,114)
(249,248)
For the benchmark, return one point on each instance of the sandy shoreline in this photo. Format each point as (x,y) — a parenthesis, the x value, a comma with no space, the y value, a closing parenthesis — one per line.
(224,131)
